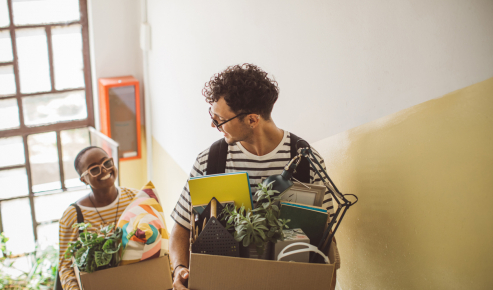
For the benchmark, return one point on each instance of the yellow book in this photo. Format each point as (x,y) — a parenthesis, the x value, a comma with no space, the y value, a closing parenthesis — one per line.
(224,187)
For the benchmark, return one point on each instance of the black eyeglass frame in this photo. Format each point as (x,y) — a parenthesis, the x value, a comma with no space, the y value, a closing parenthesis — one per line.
(219,125)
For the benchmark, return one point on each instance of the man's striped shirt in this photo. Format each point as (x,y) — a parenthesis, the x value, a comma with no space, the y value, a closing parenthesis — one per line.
(68,234)
(258,167)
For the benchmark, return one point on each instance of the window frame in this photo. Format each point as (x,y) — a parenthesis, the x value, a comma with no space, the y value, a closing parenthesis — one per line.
(24,130)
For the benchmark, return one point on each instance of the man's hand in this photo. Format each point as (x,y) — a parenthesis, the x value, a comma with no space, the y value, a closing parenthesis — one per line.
(179,243)
(180,278)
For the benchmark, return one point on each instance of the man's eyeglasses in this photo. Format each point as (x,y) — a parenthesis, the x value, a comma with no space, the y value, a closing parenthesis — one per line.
(96,170)
(216,123)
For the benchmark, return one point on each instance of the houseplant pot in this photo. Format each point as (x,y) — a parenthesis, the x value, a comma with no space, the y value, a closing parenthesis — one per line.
(251,252)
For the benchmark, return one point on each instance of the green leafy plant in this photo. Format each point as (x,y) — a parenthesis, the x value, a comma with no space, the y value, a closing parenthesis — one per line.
(95,251)
(3,247)
(260,225)
(40,273)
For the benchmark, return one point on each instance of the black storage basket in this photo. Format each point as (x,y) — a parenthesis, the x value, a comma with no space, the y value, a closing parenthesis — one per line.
(214,239)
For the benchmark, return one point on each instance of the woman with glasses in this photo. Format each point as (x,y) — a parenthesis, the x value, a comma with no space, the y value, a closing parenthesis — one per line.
(102,206)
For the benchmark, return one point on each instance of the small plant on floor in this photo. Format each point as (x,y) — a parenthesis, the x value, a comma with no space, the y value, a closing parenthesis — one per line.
(260,225)
(40,273)
(95,251)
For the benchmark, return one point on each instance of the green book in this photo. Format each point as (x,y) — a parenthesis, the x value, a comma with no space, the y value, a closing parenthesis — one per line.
(311,219)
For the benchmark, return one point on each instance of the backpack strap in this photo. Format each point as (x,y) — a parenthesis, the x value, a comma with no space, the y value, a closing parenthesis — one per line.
(302,172)
(216,162)
(218,152)
(80,217)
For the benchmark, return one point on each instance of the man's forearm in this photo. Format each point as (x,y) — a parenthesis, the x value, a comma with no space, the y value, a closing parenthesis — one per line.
(179,246)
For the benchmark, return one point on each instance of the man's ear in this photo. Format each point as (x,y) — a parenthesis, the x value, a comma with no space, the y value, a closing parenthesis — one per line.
(253,120)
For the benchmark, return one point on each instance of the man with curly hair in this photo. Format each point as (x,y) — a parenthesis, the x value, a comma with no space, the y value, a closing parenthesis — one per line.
(241,99)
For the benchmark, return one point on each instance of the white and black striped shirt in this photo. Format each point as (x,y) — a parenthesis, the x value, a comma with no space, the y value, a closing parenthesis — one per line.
(258,167)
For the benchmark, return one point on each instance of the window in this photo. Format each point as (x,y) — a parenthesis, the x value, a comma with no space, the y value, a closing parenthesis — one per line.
(45,111)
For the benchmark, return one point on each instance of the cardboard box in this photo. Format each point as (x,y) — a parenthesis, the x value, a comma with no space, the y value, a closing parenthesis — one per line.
(151,274)
(209,272)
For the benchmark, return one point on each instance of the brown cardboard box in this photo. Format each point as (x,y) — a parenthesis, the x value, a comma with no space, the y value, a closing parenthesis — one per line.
(151,274)
(209,272)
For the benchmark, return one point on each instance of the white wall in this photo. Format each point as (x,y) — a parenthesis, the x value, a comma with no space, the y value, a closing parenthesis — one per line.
(114,27)
(339,64)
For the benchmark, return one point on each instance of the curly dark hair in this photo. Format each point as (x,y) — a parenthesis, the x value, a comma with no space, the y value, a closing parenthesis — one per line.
(246,88)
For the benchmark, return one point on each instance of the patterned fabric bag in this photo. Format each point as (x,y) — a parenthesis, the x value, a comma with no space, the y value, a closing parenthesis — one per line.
(145,235)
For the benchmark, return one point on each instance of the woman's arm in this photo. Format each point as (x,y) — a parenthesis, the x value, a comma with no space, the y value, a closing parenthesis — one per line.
(66,235)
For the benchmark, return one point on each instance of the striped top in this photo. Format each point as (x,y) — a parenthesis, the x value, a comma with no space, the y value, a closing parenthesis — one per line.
(258,167)
(68,234)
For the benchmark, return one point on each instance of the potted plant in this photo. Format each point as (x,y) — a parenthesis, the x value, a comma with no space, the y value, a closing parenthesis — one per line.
(260,226)
(95,251)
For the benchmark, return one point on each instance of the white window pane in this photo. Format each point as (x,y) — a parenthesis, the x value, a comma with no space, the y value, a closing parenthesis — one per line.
(11,151)
(54,108)
(45,11)
(67,57)
(72,142)
(43,158)
(5,47)
(4,14)
(7,81)
(17,225)
(19,267)
(51,207)
(47,235)
(13,183)
(32,52)
(10,114)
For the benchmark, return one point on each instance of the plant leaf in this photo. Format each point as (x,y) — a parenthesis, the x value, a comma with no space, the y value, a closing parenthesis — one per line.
(90,264)
(110,248)
(240,236)
(82,256)
(105,230)
(262,234)
(117,234)
(81,226)
(262,227)
(102,258)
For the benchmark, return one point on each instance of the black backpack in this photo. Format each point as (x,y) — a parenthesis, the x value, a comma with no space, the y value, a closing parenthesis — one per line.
(218,152)
(80,219)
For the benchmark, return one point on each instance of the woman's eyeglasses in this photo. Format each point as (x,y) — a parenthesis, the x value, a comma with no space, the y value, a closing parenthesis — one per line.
(96,170)
(216,123)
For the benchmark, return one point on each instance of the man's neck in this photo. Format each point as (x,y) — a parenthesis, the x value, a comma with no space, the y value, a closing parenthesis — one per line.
(264,139)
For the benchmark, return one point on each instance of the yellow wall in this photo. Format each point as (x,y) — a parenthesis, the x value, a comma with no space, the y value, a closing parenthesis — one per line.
(133,173)
(425,186)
